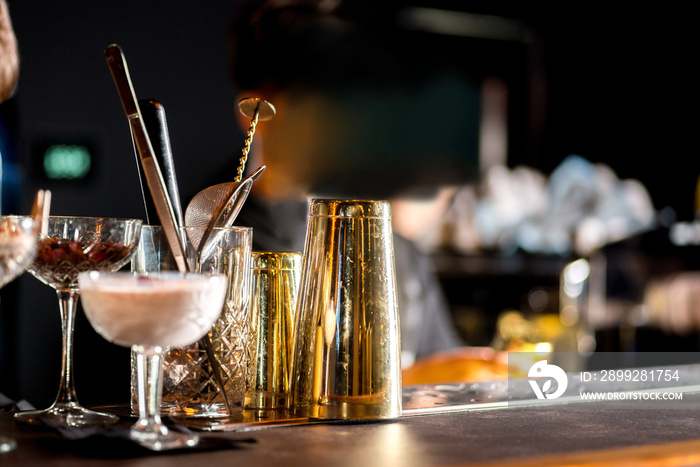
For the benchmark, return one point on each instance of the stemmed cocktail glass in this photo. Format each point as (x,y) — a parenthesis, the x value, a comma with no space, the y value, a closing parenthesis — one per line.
(150,312)
(72,245)
(18,239)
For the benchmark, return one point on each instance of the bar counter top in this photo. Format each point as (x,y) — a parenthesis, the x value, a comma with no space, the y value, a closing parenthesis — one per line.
(588,433)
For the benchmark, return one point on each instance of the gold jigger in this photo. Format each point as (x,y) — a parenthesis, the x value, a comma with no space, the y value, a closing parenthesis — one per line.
(275,284)
(347,354)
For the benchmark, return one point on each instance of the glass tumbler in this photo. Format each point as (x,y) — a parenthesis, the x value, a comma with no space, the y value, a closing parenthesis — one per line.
(190,385)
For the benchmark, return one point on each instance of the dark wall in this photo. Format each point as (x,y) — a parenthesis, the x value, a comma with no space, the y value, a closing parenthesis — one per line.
(622,90)
(176,54)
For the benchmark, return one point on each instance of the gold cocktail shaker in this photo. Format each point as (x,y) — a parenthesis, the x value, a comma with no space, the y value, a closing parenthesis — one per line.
(347,347)
(275,284)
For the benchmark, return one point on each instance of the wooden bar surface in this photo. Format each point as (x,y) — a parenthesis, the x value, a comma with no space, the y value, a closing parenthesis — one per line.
(595,433)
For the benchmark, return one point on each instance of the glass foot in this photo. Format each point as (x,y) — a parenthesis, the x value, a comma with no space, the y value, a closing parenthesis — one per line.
(71,415)
(7,444)
(159,438)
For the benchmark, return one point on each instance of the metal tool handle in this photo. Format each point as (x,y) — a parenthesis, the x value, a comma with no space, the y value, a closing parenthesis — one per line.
(153,114)
(120,73)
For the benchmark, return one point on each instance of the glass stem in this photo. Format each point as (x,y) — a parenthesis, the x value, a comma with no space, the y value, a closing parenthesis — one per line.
(149,367)
(68,301)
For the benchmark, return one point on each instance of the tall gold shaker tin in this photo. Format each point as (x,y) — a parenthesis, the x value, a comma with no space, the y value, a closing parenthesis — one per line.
(347,348)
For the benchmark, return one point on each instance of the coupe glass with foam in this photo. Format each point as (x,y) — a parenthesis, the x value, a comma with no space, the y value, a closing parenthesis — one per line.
(70,246)
(150,312)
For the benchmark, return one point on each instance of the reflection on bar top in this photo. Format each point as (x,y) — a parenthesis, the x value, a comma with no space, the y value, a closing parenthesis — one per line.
(467,396)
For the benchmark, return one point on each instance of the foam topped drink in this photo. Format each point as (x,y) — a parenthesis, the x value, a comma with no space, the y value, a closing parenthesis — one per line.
(169,309)
(150,312)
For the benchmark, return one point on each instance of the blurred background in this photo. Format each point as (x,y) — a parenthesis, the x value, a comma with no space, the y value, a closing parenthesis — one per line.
(608,85)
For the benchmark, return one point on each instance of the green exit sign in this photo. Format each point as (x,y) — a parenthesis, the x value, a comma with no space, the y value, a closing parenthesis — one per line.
(67,162)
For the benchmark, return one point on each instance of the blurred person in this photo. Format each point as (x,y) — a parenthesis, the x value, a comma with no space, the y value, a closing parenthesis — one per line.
(353,94)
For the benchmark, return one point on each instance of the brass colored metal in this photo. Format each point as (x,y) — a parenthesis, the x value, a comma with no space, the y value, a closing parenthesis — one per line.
(347,346)
(257,110)
(275,285)
(249,105)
